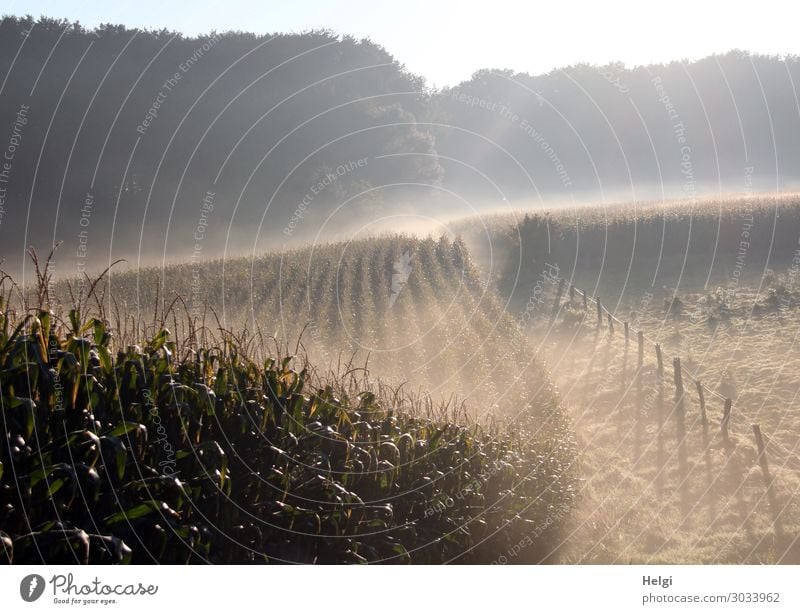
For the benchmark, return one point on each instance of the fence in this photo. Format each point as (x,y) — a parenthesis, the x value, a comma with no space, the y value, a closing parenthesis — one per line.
(680,375)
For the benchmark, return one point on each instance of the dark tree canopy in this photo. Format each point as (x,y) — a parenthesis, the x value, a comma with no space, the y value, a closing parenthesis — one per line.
(127,131)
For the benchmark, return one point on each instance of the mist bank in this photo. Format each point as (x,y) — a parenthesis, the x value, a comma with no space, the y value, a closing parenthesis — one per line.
(157,147)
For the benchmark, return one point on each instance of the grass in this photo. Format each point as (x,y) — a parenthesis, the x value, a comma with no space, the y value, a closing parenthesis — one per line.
(639,506)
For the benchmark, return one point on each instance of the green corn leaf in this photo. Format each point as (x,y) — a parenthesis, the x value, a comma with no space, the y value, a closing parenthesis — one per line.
(148,507)
(54,486)
(124,429)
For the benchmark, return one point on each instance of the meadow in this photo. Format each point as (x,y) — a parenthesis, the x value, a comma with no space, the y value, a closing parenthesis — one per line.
(665,482)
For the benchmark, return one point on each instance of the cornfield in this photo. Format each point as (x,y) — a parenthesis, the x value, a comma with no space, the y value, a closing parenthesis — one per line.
(655,243)
(198,446)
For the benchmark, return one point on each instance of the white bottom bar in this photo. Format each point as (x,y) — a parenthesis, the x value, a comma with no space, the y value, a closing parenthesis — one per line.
(404,590)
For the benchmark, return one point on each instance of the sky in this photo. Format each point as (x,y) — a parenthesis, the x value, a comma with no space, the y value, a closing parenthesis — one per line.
(447,41)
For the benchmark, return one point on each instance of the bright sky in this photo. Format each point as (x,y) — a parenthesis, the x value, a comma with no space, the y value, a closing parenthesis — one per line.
(446,41)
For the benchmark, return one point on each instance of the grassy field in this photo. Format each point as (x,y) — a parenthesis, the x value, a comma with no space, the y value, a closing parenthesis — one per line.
(640,505)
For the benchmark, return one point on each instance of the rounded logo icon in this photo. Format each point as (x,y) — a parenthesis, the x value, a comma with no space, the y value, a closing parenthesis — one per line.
(31,587)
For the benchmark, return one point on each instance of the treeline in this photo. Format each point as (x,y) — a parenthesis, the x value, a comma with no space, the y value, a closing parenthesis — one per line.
(129,130)
(129,133)
(726,122)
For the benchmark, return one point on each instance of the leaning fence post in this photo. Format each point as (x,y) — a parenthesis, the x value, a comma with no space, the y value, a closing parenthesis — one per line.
(610,324)
(762,461)
(704,421)
(726,418)
(659,359)
(701,395)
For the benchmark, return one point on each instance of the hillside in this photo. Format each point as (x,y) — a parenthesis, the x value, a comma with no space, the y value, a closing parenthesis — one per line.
(422,326)
(713,283)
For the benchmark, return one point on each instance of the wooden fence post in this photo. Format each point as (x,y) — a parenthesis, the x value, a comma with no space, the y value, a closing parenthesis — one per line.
(701,395)
(726,418)
(610,324)
(637,439)
(762,461)
(571,293)
(706,451)
(659,360)
(599,312)
(676,366)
